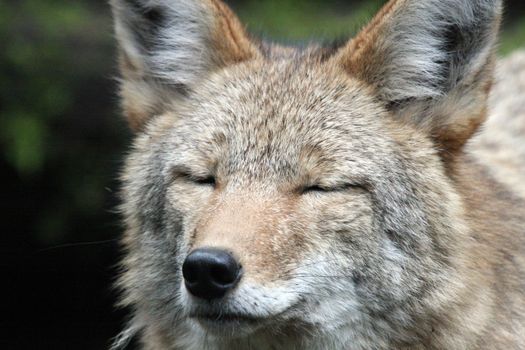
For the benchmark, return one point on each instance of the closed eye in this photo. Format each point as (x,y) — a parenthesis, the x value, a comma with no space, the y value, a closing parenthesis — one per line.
(187,176)
(326,189)
(209,181)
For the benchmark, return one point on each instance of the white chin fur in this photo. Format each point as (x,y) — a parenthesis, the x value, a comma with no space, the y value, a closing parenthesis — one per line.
(249,300)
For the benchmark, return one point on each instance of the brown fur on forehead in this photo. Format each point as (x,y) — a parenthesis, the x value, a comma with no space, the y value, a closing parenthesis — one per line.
(253,227)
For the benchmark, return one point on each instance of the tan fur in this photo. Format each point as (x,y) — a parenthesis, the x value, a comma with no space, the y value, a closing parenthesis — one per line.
(500,146)
(229,38)
(249,224)
(357,52)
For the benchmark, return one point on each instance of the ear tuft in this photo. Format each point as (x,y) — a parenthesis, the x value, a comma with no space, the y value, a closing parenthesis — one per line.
(169,46)
(429,61)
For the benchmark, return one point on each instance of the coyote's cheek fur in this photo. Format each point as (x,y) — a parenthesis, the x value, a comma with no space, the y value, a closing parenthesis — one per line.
(325,197)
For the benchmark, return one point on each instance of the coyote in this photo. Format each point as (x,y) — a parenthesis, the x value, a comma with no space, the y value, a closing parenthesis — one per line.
(326,197)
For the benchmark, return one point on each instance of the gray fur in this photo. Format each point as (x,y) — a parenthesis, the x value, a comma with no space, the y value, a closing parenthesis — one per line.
(390,256)
(432,45)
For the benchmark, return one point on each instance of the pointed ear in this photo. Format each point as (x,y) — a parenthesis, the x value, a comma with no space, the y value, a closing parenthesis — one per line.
(167,47)
(430,61)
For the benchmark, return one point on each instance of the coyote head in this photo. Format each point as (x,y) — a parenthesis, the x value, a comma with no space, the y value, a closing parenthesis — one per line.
(297,196)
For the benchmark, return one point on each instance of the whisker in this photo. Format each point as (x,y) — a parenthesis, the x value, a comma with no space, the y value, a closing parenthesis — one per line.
(323,276)
(77,244)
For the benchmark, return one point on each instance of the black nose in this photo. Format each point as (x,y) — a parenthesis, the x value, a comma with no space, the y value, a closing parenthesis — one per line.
(209,273)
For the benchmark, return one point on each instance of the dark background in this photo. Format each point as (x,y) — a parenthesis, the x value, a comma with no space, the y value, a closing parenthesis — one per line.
(62,142)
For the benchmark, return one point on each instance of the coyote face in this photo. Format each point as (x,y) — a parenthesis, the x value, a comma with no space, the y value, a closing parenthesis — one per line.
(301,199)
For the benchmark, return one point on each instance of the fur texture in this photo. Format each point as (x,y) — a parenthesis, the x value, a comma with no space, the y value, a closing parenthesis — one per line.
(342,179)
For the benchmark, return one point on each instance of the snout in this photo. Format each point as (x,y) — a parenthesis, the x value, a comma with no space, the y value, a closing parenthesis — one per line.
(224,299)
(209,273)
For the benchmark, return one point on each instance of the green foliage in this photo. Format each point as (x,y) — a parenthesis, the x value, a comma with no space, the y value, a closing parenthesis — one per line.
(24,135)
(36,89)
(293,20)
(513,37)
(55,65)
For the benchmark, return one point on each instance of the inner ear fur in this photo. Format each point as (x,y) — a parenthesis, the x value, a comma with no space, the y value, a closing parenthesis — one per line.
(166,47)
(430,62)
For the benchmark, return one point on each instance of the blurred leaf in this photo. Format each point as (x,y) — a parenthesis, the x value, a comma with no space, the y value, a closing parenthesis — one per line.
(24,137)
(513,37)
(302,20)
